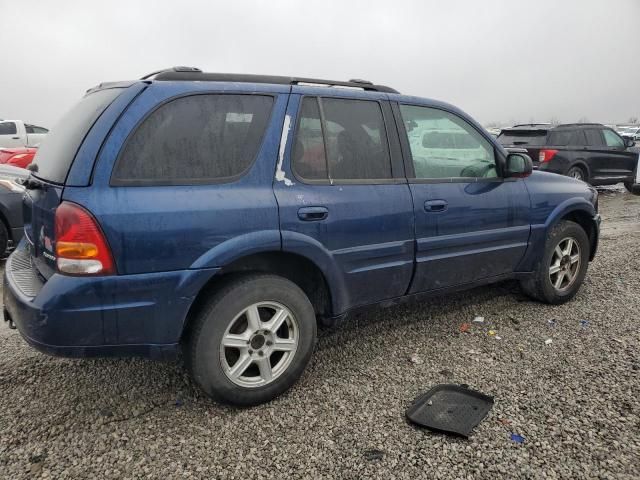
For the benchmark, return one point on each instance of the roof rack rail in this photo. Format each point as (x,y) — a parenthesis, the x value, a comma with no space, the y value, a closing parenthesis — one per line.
(171,69)
(195,74)
(531,124)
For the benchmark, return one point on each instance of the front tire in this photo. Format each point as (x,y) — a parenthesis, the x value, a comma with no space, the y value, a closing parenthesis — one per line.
(561,270)
(252,340)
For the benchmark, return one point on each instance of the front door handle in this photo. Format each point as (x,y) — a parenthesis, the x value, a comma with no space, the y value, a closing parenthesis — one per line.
(435,206)
(313,214)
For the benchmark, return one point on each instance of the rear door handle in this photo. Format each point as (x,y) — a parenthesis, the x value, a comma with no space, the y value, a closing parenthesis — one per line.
(313,214)
(435,206)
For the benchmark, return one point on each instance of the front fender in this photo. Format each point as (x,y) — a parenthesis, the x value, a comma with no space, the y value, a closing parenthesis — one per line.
(540,231)
(569,205)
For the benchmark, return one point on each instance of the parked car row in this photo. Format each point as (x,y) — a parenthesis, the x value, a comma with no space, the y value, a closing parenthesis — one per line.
(11,193)
(632,131)
(590,152)
(17,157)
(16,133)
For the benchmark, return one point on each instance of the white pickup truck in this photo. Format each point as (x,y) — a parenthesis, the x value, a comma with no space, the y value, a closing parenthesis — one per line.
(16,133)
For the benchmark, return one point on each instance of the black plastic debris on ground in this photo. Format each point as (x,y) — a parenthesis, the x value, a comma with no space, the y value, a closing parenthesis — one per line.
(450,409)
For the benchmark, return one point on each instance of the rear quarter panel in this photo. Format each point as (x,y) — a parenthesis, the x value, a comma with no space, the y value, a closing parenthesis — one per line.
(167,228)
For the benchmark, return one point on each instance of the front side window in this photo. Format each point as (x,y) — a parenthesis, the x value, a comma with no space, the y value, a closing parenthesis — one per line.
(8,128)
(195,139)
(445,146)
(613,139)
(347,142)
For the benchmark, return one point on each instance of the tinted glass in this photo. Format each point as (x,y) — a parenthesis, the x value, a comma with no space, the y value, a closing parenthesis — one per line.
(612,139)
(309,159)
(594,138)
(356,140)
(62,143)
(445,146)
(517,137)
(196,139)
(39,129)
(579,138)
(8,128)
(563,138)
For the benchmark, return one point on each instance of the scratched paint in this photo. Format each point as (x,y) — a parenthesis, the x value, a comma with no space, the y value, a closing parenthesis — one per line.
(280,175)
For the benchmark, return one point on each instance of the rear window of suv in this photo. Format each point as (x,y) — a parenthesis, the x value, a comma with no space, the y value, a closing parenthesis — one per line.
(534,138)
(198,139)
(62,142)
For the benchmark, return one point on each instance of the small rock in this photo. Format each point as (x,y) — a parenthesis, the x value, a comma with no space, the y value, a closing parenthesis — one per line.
(373,454)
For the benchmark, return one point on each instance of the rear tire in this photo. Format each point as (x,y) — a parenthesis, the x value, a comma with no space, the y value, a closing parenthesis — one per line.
(560,272)
(252,340)
(578,173)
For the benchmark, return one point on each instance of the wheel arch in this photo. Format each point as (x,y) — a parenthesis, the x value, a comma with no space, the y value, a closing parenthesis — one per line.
(581,212)
(580,162)
(297,268)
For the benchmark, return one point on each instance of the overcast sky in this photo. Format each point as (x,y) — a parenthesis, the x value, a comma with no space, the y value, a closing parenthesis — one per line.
(500,60)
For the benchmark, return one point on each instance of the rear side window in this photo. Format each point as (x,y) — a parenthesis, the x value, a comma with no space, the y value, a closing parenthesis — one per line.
(348,141)
(309,157)
(563,138)
(594,138)
(533,138)
(62,143)
(34,129)
(8,128)
(195,139)
(357,145)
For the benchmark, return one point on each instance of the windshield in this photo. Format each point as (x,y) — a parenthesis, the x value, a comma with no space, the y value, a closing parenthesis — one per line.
(58,149)
(523,137)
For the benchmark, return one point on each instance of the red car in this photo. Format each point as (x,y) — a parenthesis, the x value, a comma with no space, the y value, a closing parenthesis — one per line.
(18,157)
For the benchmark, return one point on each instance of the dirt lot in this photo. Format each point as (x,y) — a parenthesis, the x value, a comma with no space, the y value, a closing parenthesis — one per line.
(576,401)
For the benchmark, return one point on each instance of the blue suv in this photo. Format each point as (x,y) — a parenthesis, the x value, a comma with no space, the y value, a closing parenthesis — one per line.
(224,216)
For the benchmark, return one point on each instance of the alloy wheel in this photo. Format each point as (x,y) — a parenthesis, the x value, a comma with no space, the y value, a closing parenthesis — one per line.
(259,344)
(565,264)
(577,174)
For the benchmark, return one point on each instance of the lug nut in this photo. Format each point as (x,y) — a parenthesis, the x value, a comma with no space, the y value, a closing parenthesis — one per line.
(261,353)
(250,352)
(269,343)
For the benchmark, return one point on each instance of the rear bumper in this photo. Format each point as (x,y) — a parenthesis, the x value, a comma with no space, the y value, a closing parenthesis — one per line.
(122,315)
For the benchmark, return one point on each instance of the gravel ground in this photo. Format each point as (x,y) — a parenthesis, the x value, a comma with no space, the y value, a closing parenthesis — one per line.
(576,401)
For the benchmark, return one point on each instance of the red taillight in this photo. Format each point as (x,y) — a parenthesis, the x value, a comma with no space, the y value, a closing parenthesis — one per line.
(81,248)
(546,155)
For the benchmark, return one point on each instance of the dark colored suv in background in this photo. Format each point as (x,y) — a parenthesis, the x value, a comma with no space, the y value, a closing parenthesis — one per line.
(586,151)
(223,215)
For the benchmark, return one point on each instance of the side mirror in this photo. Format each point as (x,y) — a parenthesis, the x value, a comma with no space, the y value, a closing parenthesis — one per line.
(519,165)
(628,141)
